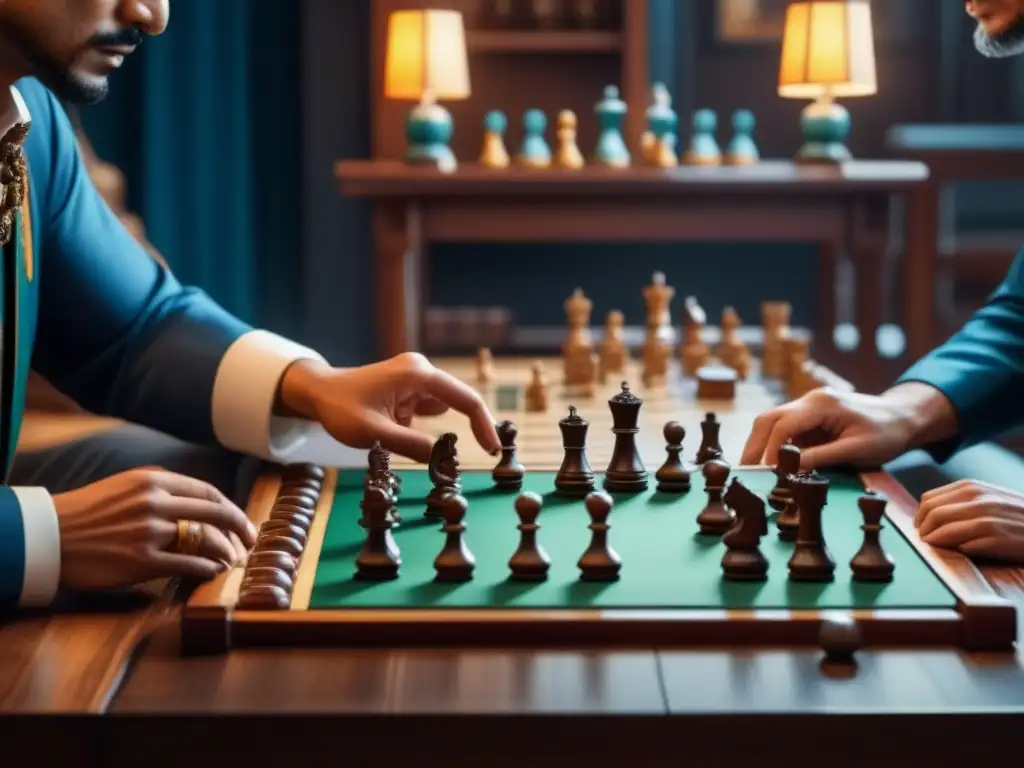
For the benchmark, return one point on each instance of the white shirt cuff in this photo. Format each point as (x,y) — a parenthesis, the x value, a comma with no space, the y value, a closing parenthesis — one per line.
(42,547)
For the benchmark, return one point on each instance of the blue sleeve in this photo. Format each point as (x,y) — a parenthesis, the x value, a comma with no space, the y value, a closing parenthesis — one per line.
(116,331)
(981,369)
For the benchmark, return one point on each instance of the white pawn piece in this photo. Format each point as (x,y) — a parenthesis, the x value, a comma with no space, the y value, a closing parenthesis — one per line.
(537,390)
(568,155)
(484,366)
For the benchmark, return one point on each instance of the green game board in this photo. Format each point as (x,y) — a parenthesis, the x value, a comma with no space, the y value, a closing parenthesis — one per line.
(667,563)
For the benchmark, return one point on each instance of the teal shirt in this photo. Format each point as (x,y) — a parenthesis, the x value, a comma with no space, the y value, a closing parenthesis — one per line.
(981,369)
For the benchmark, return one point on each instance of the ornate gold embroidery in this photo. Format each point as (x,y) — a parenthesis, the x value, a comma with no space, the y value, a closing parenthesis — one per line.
(13,178)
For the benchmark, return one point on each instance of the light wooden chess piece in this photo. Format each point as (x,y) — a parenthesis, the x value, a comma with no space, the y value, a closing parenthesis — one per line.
(731,349)
(568,155)
(484,366)
(659,143)
(775,317)
(694,353)
(659,334)
(614,352)
(578,348)
(494,153)
(536,395)
(796,352)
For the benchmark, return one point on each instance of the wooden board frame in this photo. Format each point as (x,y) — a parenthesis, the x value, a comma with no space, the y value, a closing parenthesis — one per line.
(212,623)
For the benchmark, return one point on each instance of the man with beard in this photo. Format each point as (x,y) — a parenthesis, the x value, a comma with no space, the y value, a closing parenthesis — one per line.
(964,392)
(83,304)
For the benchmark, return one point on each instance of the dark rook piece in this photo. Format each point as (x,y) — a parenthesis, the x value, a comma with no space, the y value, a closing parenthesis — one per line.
(872,563)
(529,562)
(600,562)
(455,562)
(625,471)
(508,474)
(672,476)
(710,445)
(574,478)
(811,560)
(379,559)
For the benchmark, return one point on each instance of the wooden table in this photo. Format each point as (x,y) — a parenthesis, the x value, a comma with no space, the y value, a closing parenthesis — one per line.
(496,707)
(841,211)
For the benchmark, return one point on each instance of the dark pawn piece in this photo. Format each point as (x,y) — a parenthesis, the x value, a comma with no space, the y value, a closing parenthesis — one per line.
(715,519)
(600,562)
(455,562)
(575,477)
(811,560)
(444,473)
(672,476)
(743,560)
(626,471)
(508,474)
(379,559)
(529,562)
(872,563)
(787,466)
(710,447)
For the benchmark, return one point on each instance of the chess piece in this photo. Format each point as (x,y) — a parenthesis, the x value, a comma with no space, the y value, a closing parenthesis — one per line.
(455,562)
(704,148)
(614,352)
(534,151)
(578,361)
(659,334)
(715,519)
(568,155)
(743,560)
(694,353)
(611,148)
(494,153)
(788,521)
(574,478)
(537,390)
(508,474)
(443,470)
(378,472)
(716,382)
(732,350)
(379,558)
(484,367)
(787,466)
(742,149)
(775,317)
(529,562)
(872,563)
(672,476)
(710,447)
(662,125)
(811,560)
(626,472)
(599,562)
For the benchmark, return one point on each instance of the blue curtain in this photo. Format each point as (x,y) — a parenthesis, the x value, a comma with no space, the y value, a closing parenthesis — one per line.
(205,123)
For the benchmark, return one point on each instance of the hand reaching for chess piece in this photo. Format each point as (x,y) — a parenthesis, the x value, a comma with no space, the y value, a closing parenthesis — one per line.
(359,406)
(975,518)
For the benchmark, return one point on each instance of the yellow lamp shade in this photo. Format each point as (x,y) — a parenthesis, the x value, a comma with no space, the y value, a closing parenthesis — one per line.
(828,50)
(426,56)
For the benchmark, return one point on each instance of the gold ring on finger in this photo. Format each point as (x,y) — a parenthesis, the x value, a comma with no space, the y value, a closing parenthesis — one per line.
(190,537)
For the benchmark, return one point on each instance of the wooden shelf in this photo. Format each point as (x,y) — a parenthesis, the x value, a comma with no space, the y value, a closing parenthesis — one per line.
(530,41)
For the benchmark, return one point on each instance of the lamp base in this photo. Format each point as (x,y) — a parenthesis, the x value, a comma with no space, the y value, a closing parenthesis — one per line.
(825,126)
(428,130)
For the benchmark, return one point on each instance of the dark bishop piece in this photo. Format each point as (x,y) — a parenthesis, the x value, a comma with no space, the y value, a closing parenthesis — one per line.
(574,478)
(672,476)
(710,447)
(626,471)
(508,474)
(444,473)
(743,560)
(378,472)
(872,563)
(811,560)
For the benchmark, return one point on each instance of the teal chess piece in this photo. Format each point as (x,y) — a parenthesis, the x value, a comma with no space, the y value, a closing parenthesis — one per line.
(659,140)
(611,148)
(743,149)
(494,153)
(825,126)
(704,148)
(428,131)
(534,152)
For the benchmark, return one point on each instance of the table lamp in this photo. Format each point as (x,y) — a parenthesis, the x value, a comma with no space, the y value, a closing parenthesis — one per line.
(828,52)
(426,61)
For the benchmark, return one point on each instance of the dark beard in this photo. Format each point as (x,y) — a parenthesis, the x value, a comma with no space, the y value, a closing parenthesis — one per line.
(1009,42)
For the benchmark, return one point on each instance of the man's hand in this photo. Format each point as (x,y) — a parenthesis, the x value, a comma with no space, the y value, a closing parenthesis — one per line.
(975,518)
(848,428)
(358,406)
(123,530)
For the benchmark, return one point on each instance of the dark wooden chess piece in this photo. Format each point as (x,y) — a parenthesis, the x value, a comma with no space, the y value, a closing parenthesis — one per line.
(626,471)
(872,563)
(455,562)
(715,519)
(788,464)
(575,477)
(672,476)
(508,474)
(811,560)
(710,446)
(788,521)
(743,560)
(444,473)
(529,562)
(379,558)
(600,562)
(379,472)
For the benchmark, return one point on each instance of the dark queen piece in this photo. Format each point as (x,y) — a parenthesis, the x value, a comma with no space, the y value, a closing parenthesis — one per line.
(626,471)
(575,477)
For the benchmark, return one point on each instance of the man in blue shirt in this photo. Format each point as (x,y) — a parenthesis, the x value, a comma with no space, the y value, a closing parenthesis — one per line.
(966,391)
(82,303)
